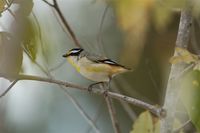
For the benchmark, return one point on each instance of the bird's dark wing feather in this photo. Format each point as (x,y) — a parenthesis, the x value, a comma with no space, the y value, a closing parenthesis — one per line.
(100,59)
(110,62)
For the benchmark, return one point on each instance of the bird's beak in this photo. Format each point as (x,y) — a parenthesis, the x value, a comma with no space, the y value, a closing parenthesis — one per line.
(65,55)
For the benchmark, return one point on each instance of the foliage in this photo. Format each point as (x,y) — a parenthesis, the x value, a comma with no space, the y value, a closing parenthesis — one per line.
(30,41)
(2,5)
(190,87)
(147,123)
(10,54)
(190,92)
(183,55)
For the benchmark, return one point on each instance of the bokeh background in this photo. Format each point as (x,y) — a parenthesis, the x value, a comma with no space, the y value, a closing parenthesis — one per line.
(139,34)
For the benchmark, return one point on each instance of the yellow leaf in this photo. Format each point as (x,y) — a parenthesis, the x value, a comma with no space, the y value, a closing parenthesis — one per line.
(146,124)
(195,83)
(183,55)
(2,5)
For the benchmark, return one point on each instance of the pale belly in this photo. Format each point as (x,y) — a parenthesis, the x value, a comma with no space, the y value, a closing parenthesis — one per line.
(95,76)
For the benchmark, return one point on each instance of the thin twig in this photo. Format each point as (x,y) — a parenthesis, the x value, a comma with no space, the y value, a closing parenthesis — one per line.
(81,111)
(48,3)
(126,106)
(178,130)
(9,88)
(160,112)
(57,66)
(111,109)
(64,21)
(113,115)
(99,36)
(98,113)
(15,18)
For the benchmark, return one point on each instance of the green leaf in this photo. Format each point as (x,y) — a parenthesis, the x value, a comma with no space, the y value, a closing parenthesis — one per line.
(146,123)
(30,38)
(190,96)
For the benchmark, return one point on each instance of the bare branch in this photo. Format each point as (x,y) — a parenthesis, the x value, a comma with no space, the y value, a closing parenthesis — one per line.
(172,90)
(63,21)
(126,106)
(99,36)
(57,66)
(52,5)
(160,112)
(111,108)
(9,88)
(98,113)
(178,130)
(112,113)
(81,110)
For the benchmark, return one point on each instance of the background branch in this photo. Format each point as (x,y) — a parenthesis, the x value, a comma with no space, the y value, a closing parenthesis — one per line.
(9,88)
(178,130)
(64,22)
(111,109)
(112,113)
(171,97)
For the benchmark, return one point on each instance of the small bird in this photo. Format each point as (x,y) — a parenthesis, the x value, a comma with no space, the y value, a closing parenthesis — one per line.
(94,67)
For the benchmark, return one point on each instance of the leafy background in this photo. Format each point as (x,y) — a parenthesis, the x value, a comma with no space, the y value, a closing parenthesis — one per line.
(139,34)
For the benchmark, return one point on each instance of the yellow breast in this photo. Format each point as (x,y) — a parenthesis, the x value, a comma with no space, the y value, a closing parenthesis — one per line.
(73,61)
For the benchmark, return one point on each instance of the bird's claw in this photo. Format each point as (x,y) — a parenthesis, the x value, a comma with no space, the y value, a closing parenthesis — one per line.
(105,93)
(90,87)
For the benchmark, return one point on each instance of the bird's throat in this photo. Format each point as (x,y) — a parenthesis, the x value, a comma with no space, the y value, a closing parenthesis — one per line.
(74,62)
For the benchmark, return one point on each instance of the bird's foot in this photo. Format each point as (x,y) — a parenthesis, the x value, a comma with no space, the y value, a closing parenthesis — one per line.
(90,87)
(105,93)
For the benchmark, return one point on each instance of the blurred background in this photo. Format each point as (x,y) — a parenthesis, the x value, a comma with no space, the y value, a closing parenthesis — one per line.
(138,34)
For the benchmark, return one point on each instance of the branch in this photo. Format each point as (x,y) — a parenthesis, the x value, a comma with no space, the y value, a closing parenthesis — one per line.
(126,106)
(52,5)
(64,21)
(112,113)
(111,108)
(172,90)
(160,112)
(99,36)
(178,130)
(9,88)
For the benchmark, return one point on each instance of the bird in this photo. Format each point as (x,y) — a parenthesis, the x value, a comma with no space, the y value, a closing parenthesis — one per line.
(94,67)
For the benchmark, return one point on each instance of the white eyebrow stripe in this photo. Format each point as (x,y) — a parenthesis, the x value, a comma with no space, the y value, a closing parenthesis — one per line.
(110,62)
(75,51)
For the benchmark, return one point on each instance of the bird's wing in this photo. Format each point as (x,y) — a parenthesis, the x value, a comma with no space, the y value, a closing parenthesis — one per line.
(110,62)
(93,57)
(100,59)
